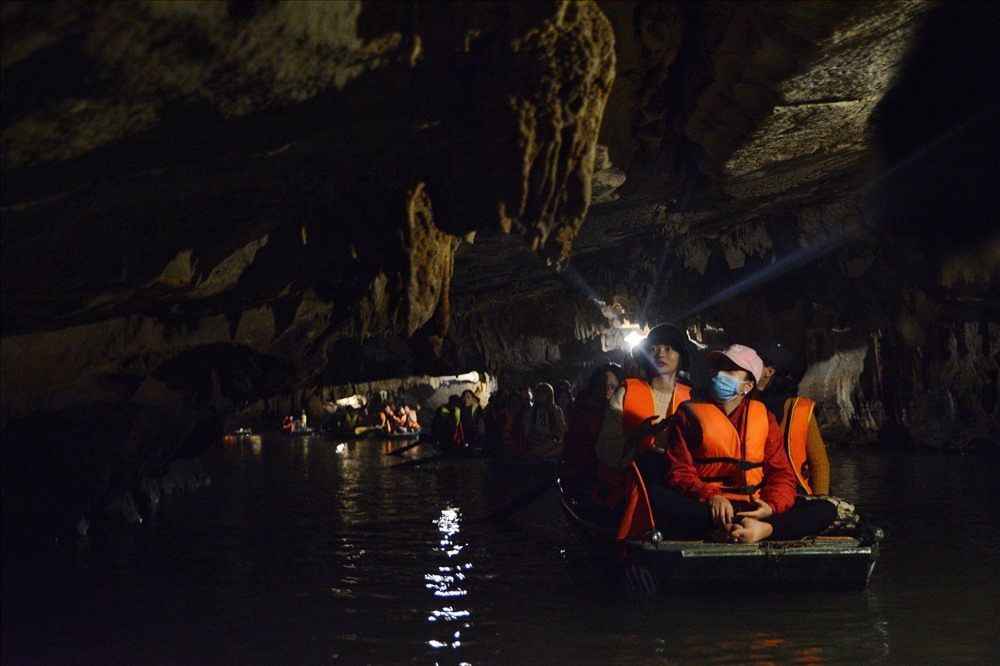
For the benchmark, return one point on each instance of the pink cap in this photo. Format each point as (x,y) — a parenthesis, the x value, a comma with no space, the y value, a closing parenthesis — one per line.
(742,356)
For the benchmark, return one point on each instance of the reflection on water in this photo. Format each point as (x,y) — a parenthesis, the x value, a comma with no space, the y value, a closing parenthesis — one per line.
(311,550)
(446,581)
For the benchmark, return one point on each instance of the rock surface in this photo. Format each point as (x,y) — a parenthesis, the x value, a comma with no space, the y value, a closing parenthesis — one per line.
(210,205)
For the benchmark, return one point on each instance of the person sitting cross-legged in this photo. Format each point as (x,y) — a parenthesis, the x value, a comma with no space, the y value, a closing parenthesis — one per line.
(729,478)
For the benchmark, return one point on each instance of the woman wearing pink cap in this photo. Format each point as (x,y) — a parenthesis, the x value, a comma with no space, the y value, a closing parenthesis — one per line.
(729,476)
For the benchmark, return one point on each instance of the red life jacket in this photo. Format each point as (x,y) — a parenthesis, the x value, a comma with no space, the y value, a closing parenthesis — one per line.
(795,427)
(728,458)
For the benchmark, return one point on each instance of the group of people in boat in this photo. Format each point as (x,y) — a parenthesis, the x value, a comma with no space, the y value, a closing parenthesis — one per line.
(296,426)
(459,423)
(529,423)
(740,459)
(391,417)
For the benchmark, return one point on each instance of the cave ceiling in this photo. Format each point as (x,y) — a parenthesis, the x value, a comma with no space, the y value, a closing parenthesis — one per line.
(208,203)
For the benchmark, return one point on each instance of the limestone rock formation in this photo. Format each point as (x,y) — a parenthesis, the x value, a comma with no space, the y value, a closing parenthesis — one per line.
(208,205)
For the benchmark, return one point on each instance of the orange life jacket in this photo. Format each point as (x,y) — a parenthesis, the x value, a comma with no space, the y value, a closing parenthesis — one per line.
(731,459)
(795,426)
(637,406)
(638,516)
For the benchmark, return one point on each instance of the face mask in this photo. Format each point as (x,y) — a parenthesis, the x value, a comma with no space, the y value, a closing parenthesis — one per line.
(724,388)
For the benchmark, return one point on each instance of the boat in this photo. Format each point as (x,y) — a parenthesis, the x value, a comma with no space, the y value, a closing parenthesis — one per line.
(398,434)
(654,565)
(302,432)
(371,432)
(238,435)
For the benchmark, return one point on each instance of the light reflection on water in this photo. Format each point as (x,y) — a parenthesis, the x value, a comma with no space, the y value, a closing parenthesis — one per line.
(309,550)
(446,581)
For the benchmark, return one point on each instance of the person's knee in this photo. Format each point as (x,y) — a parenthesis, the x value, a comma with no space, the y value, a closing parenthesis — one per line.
(820,511)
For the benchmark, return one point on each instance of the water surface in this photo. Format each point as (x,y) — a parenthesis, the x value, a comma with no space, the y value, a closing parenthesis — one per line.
(314,551)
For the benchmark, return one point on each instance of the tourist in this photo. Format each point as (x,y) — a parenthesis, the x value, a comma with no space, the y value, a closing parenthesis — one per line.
(499,423)
(444,427)
(638,410)
(641,406)
(521,401)
(471,420)
(729,478)
(351,421)
(579,454)
(804,444)
(544,424)
(387,421)
(564,397)
(410,420)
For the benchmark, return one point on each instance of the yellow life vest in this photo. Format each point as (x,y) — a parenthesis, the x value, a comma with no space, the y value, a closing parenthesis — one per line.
(731,459)
(795,427)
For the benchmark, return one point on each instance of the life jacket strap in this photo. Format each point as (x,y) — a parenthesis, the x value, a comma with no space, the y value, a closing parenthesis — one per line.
(735,462)
(743,490)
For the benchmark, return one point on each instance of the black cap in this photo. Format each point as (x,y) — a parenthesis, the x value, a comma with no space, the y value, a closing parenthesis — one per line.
(777,355)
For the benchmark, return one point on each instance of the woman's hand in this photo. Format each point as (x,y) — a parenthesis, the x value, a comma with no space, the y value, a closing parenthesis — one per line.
(650,427)
(722,511)
(762,511)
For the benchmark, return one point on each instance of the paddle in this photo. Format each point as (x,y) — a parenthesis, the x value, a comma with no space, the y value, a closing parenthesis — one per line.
(523,500)
(400,450)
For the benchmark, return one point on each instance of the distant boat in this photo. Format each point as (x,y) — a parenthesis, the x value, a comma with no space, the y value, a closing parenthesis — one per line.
(401,434)
(238,435)
(655,567)
(376,432)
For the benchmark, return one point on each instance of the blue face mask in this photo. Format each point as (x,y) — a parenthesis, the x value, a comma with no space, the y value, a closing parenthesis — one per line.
(724,388)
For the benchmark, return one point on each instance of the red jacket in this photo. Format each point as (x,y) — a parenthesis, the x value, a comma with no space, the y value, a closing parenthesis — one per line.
(685,432)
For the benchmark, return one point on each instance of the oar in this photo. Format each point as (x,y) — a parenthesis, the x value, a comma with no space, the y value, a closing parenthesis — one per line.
(523,500)
(400,450)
